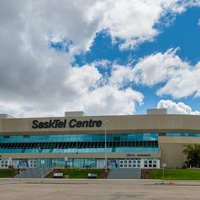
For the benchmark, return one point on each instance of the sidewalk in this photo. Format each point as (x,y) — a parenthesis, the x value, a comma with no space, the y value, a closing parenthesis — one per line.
(100,181)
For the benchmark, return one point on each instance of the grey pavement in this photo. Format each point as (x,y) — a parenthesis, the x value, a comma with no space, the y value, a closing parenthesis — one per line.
(97,189)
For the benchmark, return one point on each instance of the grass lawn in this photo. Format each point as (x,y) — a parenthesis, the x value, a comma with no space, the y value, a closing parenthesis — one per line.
(7,173)
(176,174)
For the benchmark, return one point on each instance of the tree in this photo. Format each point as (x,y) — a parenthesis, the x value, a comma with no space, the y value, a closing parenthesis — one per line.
(192,153)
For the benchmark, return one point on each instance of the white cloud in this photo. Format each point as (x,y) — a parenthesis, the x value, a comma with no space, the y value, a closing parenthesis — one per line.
(177,78)
(176,108)
(134,21)
(83,79)
(121,75)
(198,23)
(159,67)
(110,100)
(183,84)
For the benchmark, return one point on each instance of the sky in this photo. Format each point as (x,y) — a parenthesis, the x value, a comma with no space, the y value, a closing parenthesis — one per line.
(103,57)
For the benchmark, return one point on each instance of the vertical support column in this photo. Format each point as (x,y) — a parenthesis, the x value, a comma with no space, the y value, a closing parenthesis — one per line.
(142,163)
(158,164)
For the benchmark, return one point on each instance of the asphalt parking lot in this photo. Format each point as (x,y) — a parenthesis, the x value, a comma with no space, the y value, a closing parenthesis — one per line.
(96,189)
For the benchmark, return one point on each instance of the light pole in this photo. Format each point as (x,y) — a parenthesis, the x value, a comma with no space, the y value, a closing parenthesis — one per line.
(163,175)
(106,155)
(66,159)
(20,178)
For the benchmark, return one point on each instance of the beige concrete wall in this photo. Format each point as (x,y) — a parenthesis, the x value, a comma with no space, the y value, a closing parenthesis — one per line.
(171,149)
(172,155)
(116,124)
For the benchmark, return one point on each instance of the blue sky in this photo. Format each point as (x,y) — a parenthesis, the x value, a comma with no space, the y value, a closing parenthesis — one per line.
(101,57)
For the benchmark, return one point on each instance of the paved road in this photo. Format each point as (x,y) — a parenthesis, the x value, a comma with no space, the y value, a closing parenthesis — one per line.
(100,189)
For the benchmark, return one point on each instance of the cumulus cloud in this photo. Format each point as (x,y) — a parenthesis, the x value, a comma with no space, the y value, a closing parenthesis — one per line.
(176,108)
(183,84)
(112,101)
(134,21)
(158,67)
(179,78)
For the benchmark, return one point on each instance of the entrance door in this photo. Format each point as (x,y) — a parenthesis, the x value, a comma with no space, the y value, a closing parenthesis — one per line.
(130,163)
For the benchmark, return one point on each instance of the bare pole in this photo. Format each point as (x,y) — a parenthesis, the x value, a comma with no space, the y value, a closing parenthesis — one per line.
(106,153)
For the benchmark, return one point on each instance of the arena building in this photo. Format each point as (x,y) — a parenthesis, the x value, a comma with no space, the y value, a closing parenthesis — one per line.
(80,141)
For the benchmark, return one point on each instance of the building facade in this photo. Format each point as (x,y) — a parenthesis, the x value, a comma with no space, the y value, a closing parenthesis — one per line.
(80,141)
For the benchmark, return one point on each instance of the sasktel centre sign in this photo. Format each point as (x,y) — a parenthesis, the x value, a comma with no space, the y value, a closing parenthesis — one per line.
(73,123)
